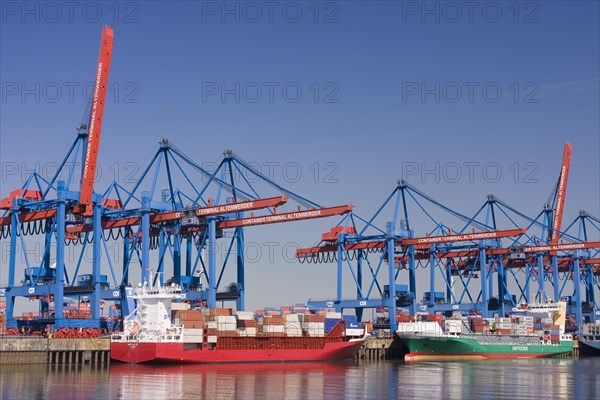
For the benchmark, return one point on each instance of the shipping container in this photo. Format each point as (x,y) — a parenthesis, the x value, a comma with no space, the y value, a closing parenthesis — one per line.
(179,306)
(245,315)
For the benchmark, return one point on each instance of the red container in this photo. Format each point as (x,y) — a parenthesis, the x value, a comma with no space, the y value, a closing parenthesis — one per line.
(242,323)
(220,312)
(314,318)
(273,320)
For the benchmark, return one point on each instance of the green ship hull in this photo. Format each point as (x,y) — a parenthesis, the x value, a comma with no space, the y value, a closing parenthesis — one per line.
(423,348)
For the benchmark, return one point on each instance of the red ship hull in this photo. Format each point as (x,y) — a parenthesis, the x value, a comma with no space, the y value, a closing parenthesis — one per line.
(144,352)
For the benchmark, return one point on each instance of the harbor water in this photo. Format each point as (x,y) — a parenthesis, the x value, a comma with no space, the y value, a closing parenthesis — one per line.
(522,379)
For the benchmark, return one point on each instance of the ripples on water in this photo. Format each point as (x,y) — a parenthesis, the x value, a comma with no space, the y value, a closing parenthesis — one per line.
(523,379)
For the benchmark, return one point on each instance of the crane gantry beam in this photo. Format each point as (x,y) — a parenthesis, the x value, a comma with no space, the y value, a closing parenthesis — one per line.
(422,243)
(177,215)
(286,217)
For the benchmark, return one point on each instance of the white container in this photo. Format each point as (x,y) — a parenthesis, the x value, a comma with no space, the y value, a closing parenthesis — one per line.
(293,325)
(245,315)
(226,326)
(354,332)
(192,339)
(273,329)
(225,319)
(313,325)
(454,326)
(291,318)
(193,331)
(247,332)
(293,332)
(333,315)
(211,325)
(180,306)
(316,332)
(212,339)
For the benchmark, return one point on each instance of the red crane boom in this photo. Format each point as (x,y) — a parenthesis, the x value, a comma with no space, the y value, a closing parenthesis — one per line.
(561,192)
(462,237)
(175,215)
(419,243)
(95,125)
(286,217)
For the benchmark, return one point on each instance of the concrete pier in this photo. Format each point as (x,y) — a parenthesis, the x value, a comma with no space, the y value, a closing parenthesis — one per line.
(40,350)
(382,349)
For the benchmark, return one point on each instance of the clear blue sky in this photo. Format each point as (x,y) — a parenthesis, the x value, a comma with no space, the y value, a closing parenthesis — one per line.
(399,85)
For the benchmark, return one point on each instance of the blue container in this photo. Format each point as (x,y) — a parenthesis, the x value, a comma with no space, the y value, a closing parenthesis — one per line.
(330,323)
(353,324)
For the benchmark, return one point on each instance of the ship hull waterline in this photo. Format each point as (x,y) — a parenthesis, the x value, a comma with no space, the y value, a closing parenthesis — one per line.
(451,349)
(147,352)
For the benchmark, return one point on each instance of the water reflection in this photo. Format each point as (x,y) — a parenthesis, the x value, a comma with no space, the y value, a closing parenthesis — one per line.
(523,379)
(275,381)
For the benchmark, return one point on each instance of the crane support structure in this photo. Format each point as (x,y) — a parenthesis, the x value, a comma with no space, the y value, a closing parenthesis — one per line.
(172,222)
(95,125)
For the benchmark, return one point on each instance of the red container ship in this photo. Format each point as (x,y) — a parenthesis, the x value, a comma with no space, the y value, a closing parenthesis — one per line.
(160,330)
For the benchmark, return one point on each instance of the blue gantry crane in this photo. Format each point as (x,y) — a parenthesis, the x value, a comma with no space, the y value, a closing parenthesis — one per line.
(489,262)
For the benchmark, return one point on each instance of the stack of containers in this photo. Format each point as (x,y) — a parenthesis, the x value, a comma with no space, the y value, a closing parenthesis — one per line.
(189,319)
(273,325)
(246,324)
(2,324)
(541,324)
(434,318)
(476,324)
(554,331)
(226,325)
(402,317)
(192,322)
(210,331)
(219,322)
(332,318)
(175,307)
(272,311)
(299,309)
(504,326)
(314,325)
(526,323)
(293,327)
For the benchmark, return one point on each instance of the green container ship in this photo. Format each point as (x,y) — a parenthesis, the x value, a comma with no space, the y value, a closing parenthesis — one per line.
(426,340)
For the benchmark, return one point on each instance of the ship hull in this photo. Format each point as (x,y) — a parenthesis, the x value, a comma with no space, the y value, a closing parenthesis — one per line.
(144,352)
(450,348)
(589,347)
